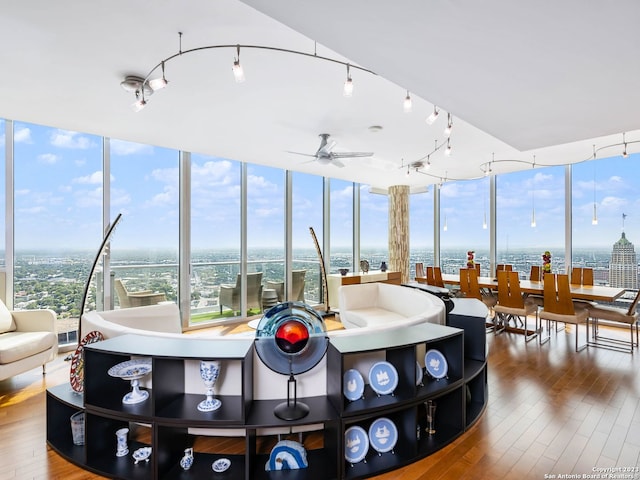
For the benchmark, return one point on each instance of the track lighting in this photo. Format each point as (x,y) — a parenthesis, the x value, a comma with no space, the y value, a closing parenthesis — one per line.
(594,219)
(624,151)
(433,117)
(407,103)
(158,83)
(238,71)
(447,150)
(143,87)
(447,129)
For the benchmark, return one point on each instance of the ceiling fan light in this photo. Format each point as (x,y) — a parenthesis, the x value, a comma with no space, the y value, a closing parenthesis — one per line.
(238,71)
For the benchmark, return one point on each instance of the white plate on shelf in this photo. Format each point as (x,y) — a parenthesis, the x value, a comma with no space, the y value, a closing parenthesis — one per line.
(353,384)
(356,444)
(435,364)
(419,373)
(221,465)
(383,435)
(131,369)
(383,378)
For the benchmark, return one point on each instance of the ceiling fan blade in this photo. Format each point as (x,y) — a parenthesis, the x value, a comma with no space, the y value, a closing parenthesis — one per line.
(326,148)
(337,163)
(303,154)
(351,154)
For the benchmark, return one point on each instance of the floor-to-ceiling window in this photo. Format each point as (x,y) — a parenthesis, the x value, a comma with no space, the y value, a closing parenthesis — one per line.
(530,218)
(464,209)
(3,217)
(265,234)
(374,227)
(341,225)
(144,249)
(215,233)
(605,200)
(57,217)
(307,211)
(421,230)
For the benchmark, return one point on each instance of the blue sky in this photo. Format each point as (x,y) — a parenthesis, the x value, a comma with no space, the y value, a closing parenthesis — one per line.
(59,196)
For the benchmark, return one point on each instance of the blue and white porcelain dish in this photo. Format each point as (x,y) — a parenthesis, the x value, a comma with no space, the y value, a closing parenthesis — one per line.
(221,465)
(353,384)
(142,454)
(383,378)
(419,373)
(436,364)
(356,444)
(131,369)
(383,435)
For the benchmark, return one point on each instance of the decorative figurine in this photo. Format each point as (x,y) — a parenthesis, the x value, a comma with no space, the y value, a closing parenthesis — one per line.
(187,460)
(122,448)
(209,371)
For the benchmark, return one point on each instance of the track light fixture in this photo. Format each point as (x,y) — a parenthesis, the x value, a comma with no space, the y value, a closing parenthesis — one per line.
(135,84)
(434,116)
(407,103)
(140,102)
(347,91)
(624,151)
(447,151)
(447,129)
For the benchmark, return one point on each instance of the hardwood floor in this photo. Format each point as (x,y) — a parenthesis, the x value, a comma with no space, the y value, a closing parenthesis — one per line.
(550,411)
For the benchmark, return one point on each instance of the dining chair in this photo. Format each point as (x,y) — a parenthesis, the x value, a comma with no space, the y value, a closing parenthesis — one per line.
(559,307)
(581,276)
(512,305)
(469,288)
(503,266)
(420,275)
(535,274)
(434,277)
(627,316)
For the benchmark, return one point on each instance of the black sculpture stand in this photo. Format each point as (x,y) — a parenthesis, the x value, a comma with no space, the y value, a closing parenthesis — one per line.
(291,409)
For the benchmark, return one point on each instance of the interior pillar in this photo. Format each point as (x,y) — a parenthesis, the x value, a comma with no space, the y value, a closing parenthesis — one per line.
(399,230)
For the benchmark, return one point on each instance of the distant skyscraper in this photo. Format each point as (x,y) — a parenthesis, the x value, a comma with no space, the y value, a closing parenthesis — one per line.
(623,268)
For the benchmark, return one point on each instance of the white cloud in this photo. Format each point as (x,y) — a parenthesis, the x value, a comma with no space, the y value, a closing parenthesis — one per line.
(33,210)
(89,198)
(122,148)
(93,179)
(120,197)
(67,139)
(23,191)
(48,158)
(22,135)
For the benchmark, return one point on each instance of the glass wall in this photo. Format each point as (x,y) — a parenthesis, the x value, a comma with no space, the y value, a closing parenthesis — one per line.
(265,234)
(215,234)
(58,212)
(530,218)
(605,198)
(421,248)
(374,227)
(464,207)
(144,248)
(308,200)
(341,226)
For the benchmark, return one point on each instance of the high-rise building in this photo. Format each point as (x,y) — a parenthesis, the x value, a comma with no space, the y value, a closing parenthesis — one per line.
(623,268)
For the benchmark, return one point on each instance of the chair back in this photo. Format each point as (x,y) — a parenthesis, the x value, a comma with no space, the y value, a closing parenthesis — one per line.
(535,275)
(503,266)
(634,304)
(557,294)
(123,295)
(419,269)
(581,276)
(297,280)
(434,277)
(254,289)
(469,286)
(509,292)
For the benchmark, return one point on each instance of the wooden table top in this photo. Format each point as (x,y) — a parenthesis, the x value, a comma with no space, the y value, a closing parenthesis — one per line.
(579,292)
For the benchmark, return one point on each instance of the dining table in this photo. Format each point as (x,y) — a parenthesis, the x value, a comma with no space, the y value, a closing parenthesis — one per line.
(593,293)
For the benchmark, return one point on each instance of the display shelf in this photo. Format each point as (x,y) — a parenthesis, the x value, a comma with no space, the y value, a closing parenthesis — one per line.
(175,389)
(62,402)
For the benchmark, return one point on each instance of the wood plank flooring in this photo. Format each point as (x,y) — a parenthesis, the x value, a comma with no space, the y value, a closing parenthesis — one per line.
(551,411)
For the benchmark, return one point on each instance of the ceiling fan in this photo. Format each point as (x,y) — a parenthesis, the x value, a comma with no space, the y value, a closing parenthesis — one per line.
(324,155)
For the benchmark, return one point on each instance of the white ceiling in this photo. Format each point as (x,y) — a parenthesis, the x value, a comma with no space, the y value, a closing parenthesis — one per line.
(547,79)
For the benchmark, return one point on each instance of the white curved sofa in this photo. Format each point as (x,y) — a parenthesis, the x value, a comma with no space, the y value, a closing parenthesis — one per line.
(382,305)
